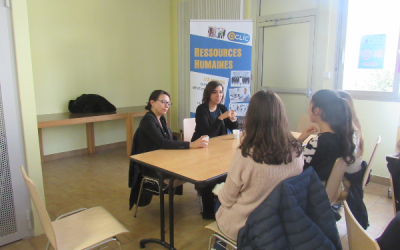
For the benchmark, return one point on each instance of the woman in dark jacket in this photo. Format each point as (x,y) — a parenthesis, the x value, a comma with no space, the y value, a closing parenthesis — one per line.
(212,117)
(154,132)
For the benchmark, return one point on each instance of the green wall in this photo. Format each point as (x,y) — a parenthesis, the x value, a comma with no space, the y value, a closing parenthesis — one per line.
(119,49)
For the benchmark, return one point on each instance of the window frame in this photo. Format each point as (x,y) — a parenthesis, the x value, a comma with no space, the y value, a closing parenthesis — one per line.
(339,63)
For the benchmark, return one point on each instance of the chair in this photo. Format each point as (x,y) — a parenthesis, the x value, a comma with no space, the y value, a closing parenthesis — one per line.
(219,235)
(81,229)
(359,239)
(368,170)
(333,185)
(189,125)
(147,179)
(150,180)
(188,128)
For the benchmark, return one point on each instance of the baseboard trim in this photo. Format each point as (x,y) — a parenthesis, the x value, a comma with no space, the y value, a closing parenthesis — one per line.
(83,151)
(380,180)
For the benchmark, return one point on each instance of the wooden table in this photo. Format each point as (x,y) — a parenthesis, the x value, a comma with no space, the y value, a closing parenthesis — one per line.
(197,166)
(64,119)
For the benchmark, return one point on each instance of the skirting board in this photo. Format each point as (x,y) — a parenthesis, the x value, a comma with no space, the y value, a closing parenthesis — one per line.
(83,151)
(380,180)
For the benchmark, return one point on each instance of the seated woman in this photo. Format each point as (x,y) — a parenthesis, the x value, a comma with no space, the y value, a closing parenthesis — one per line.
(268,154)
(333,116)
(154,132)
(212,117)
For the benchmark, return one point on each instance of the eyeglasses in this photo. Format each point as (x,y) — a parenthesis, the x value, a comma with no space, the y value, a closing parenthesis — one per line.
(164,102)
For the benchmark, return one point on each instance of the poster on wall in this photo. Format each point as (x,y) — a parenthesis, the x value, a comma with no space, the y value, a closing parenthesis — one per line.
(372,51)
(220,50)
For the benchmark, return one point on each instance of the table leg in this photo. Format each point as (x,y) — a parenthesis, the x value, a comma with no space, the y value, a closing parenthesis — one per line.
(162,223)
(171,212)
(90,137)
(41,145)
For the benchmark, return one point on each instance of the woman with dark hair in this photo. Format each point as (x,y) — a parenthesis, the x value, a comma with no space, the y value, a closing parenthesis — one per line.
(334,118)
(154,132)
(212,117)
(267,155)
(357,137)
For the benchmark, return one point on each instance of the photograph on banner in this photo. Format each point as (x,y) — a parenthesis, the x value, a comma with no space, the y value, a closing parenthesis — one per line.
(239,94)
(240,108)
(198,82)
(216,32)
(240,79)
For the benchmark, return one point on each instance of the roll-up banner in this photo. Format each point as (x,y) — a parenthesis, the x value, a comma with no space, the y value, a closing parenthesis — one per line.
(220,50)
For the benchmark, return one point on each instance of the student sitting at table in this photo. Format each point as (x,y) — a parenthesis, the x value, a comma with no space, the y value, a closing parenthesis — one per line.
(154,132)
(333,116)
(268,154)
(212,117)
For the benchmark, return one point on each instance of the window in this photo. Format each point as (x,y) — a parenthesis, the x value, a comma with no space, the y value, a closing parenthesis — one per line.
(368,58)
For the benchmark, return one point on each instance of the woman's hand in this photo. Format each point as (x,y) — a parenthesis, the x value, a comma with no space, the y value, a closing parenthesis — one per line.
(225,115)
(307,132)
(202,142)
(233,115)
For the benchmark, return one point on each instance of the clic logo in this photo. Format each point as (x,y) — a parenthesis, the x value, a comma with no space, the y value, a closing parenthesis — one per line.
(238,37)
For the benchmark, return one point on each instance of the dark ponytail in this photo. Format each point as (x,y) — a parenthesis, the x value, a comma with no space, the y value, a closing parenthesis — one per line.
(336,112)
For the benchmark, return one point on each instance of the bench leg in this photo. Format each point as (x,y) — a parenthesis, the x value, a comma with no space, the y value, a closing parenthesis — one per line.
(90,137)
(41,145)
(129,134)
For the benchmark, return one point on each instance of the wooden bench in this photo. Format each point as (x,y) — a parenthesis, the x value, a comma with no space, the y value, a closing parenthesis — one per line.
(64,119)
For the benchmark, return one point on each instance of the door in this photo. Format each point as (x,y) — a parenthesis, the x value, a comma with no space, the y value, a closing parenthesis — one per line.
(285,60)
(15,214)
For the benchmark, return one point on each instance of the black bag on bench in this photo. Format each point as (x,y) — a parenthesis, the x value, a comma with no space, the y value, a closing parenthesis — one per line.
(90,103)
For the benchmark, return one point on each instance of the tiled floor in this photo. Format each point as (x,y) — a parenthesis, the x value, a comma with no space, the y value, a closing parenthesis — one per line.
(101,179)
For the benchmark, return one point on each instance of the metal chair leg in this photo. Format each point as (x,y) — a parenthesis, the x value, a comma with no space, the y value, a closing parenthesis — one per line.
(140,193)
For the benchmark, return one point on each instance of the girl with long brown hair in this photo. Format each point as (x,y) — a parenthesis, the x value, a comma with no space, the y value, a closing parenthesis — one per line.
(268,154)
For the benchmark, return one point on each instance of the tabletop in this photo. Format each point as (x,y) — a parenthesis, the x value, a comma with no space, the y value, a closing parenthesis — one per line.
(194,165)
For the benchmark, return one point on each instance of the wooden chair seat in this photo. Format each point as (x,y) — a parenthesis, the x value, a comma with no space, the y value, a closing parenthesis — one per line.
(86,228)
(220,235)
(359,239)
(80,229)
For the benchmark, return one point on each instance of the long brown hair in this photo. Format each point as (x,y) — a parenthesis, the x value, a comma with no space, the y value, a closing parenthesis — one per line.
(337,113)
(347,96)
(267,137)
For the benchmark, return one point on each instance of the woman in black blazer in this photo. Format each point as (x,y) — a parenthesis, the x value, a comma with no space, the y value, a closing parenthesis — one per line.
(154,132)
(212,117)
